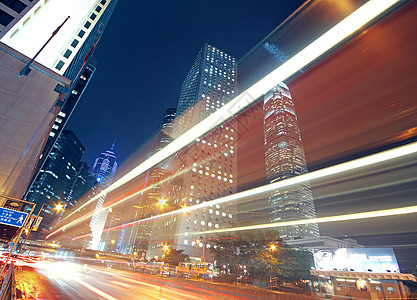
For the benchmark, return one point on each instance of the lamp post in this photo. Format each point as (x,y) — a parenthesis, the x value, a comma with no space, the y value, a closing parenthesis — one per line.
(162,203)
(272,248)
(204,246)
(31,226)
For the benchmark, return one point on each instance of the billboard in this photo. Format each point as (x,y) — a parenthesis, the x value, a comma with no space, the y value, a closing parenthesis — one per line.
(379,260)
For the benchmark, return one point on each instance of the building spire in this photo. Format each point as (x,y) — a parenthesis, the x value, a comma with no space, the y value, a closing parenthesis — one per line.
(112,146)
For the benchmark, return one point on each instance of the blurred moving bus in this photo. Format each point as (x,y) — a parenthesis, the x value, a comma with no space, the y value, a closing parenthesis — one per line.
(203,270)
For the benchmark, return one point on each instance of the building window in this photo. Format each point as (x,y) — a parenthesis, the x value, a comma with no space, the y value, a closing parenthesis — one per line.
(87,24)
(59,65)
(67,53)
(74,43)
(102,2)
(93,16)
(98,9)
(16,5)
(81,33)
(5,18)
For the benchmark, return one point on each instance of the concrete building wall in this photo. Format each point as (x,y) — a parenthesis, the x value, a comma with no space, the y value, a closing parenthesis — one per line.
(27,110)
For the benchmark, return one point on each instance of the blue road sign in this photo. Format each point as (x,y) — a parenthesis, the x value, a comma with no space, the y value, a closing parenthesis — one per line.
(12,217)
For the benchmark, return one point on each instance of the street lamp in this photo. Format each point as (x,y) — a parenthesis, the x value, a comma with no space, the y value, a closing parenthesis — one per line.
(272,247)
(59,207)
(162,202)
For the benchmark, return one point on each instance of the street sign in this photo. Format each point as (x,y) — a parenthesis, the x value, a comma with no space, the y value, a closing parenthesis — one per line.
(12,217)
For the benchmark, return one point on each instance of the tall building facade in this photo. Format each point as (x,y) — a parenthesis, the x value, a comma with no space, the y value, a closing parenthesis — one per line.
(104,168)
(11,12)
(29,106)
(285,158)
(33,29)
(56,179)
(204,170)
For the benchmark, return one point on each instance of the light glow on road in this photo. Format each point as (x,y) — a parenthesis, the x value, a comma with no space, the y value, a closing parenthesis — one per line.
(96,290)
(355,21)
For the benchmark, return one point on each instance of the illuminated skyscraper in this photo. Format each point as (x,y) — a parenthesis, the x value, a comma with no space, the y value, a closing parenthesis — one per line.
(204,170)
(55,182)
(285,158)
(104,169)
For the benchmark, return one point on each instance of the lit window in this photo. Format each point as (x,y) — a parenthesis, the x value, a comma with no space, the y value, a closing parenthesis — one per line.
(74,43)
(59,65)
(67,53)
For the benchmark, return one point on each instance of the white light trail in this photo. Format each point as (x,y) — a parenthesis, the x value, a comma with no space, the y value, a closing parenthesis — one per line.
(359,18)
(346,217)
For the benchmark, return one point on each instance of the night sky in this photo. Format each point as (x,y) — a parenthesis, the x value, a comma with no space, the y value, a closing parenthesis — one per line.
(145,54)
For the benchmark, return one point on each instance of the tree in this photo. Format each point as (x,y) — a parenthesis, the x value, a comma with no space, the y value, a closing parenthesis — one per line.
(253,253)
(174,257)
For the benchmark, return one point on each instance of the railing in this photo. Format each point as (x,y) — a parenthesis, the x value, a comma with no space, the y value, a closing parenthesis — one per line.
(8,287)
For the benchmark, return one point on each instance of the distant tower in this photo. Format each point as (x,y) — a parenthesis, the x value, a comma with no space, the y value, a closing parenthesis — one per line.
(166,128)
(284,158)
(104,169)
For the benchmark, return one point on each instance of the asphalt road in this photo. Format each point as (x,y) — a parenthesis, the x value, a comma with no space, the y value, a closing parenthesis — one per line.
(68,281)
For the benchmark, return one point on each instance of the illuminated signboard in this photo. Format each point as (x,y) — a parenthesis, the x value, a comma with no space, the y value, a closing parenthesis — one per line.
(379,260)
(31,32)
